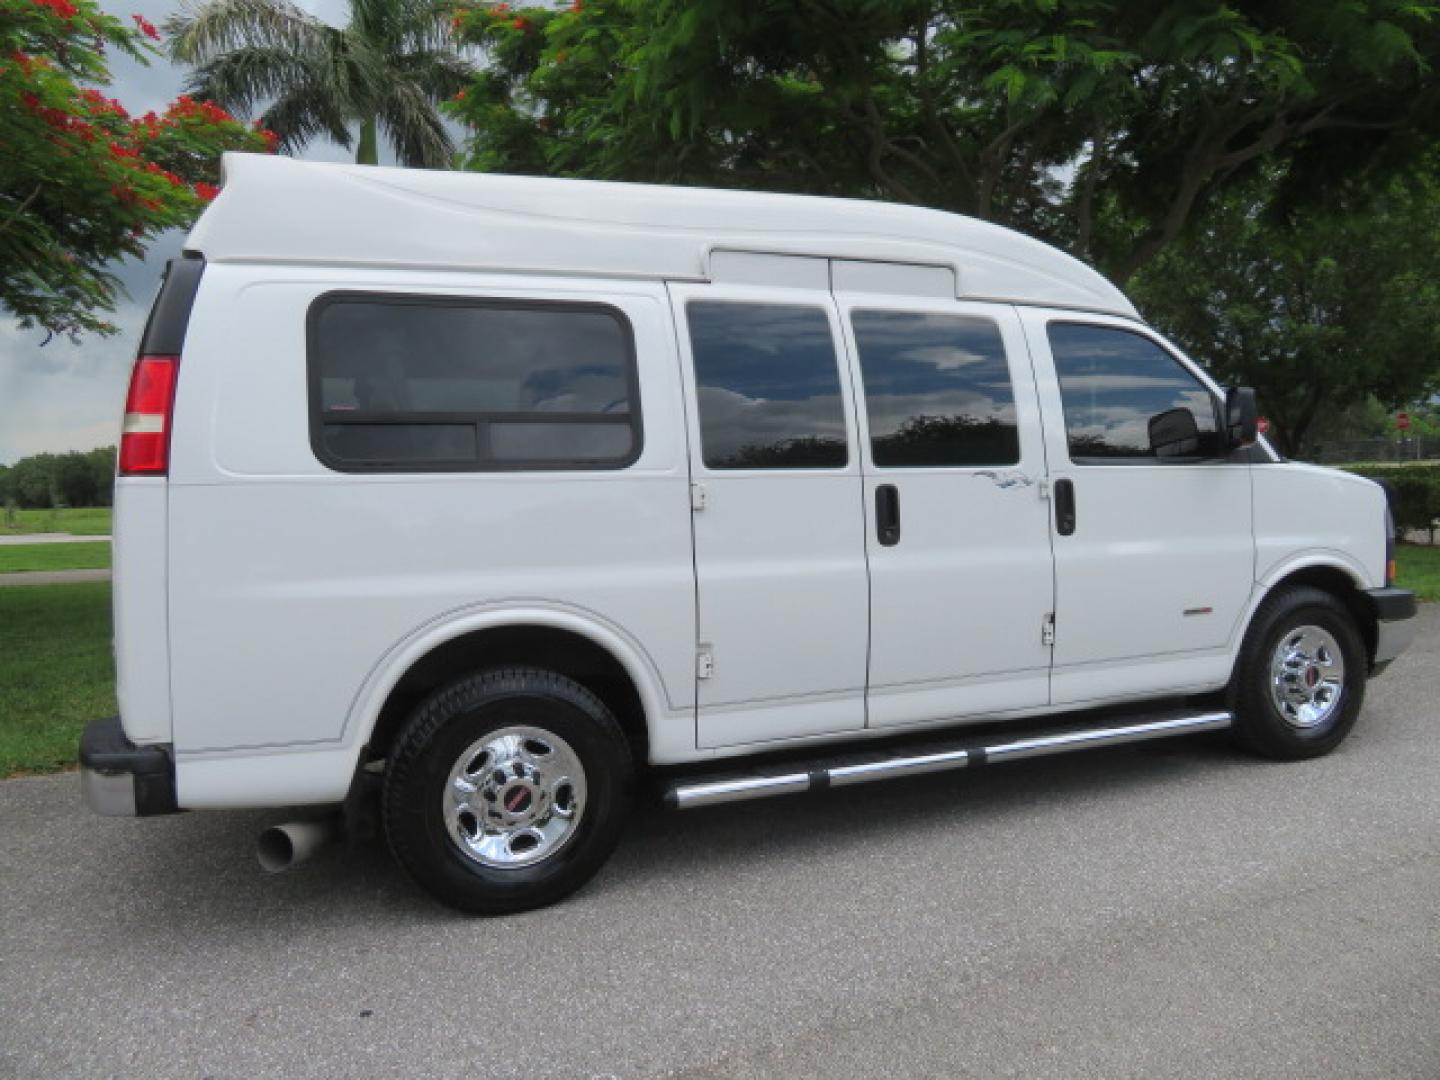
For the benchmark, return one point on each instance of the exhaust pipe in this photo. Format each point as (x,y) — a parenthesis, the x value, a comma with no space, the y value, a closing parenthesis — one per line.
(282,846)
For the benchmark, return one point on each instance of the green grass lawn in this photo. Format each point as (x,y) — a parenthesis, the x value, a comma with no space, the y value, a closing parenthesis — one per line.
(56,672)
(1418,568)
(85,556)
(82,521)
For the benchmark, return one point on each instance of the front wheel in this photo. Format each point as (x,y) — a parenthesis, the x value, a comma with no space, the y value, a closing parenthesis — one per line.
(1300,680)
(507,790)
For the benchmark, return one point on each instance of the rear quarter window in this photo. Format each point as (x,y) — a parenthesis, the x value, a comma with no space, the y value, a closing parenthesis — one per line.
(422,384)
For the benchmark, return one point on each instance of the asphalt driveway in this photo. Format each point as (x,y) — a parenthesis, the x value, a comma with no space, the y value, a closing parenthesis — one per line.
(1175,910)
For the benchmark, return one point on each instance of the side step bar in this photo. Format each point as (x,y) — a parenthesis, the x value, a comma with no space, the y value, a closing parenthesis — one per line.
(688,794)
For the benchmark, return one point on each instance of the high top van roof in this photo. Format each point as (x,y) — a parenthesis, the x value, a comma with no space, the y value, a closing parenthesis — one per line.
(279,210)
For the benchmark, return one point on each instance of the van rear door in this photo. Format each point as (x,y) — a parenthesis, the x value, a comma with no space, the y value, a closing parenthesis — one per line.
(140,557)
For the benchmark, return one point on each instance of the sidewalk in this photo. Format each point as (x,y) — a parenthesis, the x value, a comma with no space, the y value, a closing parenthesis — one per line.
(52,577)
(50,538)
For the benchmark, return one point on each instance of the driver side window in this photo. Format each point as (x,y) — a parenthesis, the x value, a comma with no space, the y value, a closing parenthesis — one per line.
(1128,401)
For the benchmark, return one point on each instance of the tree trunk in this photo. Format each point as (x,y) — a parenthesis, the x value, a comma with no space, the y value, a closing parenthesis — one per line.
(367,152)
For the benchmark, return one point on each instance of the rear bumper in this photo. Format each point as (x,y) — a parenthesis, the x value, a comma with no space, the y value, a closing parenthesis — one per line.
(120,779)
(1395,624)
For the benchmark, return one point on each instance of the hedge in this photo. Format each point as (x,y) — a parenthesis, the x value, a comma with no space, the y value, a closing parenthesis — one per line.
(1417,492)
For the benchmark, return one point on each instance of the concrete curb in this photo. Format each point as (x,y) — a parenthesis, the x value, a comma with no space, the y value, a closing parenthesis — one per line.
(52,577)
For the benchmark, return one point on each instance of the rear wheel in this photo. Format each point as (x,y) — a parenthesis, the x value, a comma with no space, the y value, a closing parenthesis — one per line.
(507,790)
(1300,681)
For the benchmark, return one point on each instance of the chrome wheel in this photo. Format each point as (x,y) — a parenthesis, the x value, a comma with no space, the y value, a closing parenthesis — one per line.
(1307,676)
(514,797)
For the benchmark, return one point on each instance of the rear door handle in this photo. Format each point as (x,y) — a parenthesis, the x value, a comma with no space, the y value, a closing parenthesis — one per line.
(1064,507)
(887,515)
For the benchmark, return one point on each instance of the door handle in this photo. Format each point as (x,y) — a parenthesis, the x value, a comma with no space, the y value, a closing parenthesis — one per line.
(1064,507)
(887,515)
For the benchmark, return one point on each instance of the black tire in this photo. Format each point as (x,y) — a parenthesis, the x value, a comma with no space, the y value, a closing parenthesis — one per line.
(1260,726)
(455,718)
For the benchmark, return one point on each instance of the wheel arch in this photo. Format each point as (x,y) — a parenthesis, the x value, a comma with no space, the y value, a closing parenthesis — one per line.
(580,645)
(1331,573)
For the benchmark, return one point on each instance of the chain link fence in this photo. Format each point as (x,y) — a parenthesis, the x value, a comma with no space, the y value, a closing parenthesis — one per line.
(1354,451)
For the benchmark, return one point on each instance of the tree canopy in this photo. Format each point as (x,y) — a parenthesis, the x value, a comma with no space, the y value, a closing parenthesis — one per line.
(81,181)
(1315,308)
(1099,125)
(71,479)
(384,72)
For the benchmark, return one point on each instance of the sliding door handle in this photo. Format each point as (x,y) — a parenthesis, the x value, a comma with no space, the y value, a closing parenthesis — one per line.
(1064,507)
(887,515)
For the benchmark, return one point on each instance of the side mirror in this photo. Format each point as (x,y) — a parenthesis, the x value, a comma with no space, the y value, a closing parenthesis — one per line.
(1242,417)
(1174,433)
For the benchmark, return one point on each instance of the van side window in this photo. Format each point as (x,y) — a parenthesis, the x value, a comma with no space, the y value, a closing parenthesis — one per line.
(937,389)
(1127,399)
(422,383)
(767,386)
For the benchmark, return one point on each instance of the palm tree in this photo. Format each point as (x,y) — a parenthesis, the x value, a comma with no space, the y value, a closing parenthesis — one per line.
(387,70)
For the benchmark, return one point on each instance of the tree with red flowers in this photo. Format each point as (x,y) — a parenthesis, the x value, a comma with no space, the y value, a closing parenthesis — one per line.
(82,182)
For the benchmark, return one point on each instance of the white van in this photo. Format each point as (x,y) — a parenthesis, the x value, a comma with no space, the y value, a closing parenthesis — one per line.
(496,492)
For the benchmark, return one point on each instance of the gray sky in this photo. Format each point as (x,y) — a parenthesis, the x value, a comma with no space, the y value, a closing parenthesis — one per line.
(68,397)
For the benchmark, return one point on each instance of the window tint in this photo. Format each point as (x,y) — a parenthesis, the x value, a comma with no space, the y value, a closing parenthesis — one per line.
(432,383)
(767,386)
(1117,387)
(937,389)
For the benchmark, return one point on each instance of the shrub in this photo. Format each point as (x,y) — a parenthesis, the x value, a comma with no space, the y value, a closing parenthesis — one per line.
(1417,493)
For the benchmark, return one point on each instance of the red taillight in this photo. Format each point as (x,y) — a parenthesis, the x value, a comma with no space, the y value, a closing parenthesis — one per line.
(145,434)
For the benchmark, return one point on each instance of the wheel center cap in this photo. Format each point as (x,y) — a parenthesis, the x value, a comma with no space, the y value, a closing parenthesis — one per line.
(518,799)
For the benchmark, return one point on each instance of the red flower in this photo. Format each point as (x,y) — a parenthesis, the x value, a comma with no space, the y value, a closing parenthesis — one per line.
(206,191)
(63,8)
(24,61)
(577,6)
(456,22)
(500,11)
(122,153)
(460,96)
(521,23)
(146,27)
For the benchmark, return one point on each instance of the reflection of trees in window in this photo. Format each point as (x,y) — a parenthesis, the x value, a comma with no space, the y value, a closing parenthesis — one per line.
(1091,446)
(808,452)
(937,389)
(953,440)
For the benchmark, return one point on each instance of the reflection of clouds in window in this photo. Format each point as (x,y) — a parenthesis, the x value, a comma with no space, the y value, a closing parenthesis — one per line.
(937,389)
(1128,383)
(888,412)
(1113,382)
(946,357)
(768,385)
(733,421)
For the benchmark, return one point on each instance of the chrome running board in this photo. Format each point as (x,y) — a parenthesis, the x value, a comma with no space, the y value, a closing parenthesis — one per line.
(687,794)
